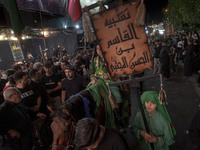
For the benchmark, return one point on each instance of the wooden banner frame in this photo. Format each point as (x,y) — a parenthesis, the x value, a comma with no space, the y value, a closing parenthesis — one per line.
(124,45)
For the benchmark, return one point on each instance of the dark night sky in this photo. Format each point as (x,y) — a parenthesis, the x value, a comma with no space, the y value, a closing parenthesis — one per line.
(155,10)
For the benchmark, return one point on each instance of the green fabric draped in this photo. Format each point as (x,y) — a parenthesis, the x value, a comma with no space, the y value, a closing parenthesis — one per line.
(153,97)
(15,17)
(96,90)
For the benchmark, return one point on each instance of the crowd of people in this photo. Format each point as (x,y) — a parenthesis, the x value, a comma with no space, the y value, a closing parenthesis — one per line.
(180,48)
(31,92)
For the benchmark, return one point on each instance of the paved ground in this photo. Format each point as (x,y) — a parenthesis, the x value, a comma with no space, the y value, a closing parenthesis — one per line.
(183,102)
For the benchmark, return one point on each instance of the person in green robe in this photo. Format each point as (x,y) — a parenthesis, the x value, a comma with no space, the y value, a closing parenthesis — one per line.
(99,70)
(162,131)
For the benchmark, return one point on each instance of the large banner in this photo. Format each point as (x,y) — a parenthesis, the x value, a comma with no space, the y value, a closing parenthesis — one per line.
(124,44)
(16,51)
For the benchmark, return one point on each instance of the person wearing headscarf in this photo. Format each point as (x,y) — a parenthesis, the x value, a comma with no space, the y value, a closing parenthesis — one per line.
(162,131)
(99,71)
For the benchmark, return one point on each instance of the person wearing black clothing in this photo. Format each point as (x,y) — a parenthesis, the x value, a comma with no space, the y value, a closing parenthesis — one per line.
(90,135)
(30,58)
(52,83)
(87,59)
(46,133)
(31,99)
(2,85)
(15,122)
(72,84)
(36,84)
(164,58)
(174,58)
(156,57)
(57,51)
(189,51)
(79,65)
(63,64)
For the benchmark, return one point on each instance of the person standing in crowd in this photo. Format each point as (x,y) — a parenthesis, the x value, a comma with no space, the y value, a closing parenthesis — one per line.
(35,83)
(56,51)
(30,58)
(63,64)
(52,83)
(174,58)
(72,84)
(189,51)
(161,128)
(63,50)
(39,67)
(180,48)
(157,49)
(164,58)
(87,58)
(2,85)
(91,135)
(18,68)
(79,66)
(15,122)
(31,99)
(11,81)
(99,70)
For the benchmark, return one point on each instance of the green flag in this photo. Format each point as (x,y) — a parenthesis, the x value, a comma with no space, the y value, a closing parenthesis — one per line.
(15,17)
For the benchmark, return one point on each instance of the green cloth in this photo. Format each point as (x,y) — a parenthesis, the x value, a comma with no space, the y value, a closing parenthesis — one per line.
(98,68)
(15,17)
(158,126)
(153,97)
(96,90)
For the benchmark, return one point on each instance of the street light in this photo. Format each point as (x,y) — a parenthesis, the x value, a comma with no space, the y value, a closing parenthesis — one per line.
(77,26)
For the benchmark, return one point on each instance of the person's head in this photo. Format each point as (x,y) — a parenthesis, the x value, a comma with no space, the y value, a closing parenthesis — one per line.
(190,41)
(164,42)
(150,100)
(20,79)
(1,74)
(48,68)
(87,132)
(11,81)
(38,66)
(77,59)
(64,63)
(18,68)
(34,75)
(157,42)
(98,50)
(12,94)
(29,55)
(80,53)
(29,65)
(10,72)
(69,72)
